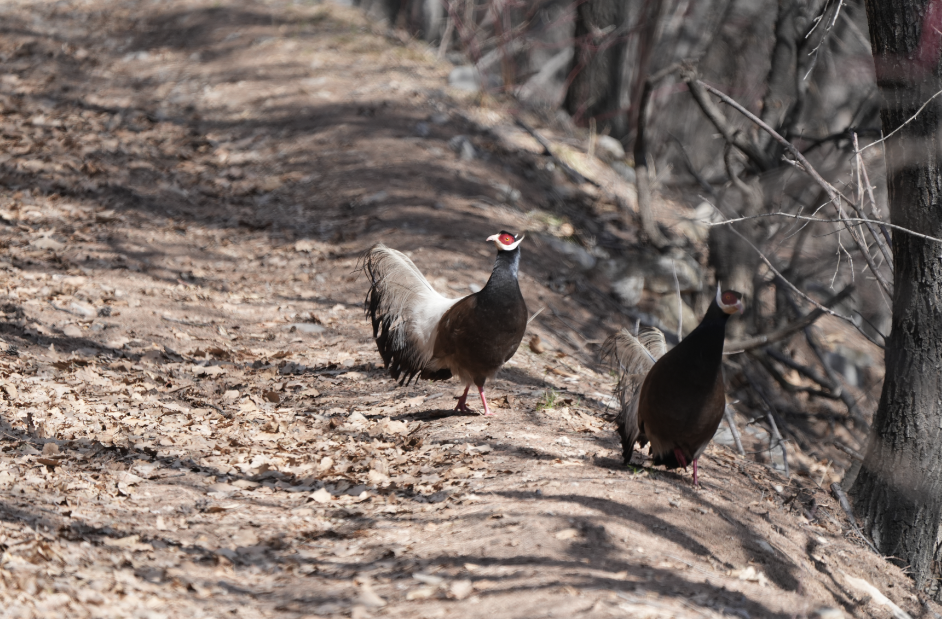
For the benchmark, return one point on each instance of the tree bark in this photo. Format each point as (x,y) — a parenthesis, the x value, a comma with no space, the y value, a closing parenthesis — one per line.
(598,65)
(898,491)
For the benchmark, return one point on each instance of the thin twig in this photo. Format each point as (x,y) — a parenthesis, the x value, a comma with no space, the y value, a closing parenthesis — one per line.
(530,319)
(809,373)
(643,174)
(731,423)
(908,120)
(780,442)
(863,180)
(845,505)
(573,175)
(680,305)
(860,220)
(780,334)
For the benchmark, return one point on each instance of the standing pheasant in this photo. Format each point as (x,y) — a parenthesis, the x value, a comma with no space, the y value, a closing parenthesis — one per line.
(421,333)
(681,398)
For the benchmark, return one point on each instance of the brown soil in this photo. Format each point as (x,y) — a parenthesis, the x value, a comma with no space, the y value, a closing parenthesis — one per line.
(194,422)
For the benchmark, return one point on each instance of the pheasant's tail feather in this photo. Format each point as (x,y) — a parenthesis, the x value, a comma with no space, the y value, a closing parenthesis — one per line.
(405,311)
(632,358)
(628,354)
(653,340)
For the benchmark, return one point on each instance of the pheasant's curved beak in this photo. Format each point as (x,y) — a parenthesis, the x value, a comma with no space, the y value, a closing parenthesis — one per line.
(737,308)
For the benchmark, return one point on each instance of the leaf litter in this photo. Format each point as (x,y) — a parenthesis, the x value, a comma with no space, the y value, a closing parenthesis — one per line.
(193,420)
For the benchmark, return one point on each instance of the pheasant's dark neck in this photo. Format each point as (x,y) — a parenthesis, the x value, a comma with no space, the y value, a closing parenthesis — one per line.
(709,335)
(504,274)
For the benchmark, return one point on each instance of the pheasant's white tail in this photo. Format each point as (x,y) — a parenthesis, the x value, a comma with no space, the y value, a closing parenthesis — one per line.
(632,358)
(405,311)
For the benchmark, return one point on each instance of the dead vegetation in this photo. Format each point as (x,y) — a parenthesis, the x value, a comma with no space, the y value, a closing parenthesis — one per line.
(193,422)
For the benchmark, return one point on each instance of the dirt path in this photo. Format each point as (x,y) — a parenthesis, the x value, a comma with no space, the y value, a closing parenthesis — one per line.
(193,419)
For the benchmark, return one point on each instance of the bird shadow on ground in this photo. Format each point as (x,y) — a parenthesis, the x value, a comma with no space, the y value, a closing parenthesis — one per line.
(435,413)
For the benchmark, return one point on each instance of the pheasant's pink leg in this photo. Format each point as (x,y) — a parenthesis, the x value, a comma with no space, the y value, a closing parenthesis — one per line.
(695,482)
(680,457)
(487,411)
(462,406)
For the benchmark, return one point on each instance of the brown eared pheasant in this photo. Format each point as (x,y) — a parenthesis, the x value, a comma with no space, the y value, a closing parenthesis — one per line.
(681,398)
(421,333)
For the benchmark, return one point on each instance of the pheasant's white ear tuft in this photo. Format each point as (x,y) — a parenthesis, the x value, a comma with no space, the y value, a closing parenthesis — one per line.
(719,295)
(506,241)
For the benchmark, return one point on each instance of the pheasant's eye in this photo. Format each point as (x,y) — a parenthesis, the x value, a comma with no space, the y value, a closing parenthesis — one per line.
(729,298)
(506,239)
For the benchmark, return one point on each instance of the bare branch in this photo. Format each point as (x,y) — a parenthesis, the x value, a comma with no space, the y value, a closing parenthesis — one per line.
(908,120)
(859,220)
(789,329)
(730,134)
(863,179)
(833,193)
(731,422)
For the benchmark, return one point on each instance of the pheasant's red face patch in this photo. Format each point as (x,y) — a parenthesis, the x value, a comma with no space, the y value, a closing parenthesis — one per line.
(506,239)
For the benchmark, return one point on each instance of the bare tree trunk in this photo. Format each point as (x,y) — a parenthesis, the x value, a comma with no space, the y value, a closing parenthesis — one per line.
(597,67)
(898,491)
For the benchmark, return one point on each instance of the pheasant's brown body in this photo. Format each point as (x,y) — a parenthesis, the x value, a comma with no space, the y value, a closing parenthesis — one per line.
(682,396)
(421,333)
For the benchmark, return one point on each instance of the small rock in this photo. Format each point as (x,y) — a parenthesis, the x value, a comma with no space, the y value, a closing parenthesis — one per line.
(828,613)
(245,538)
(321,496)
(377,197)
(609,149)
(369,598)
(460,589)
(567,534)
(463,146)
(629,290)
(72,331)
(117,343)
(47,243)
(356,418)
(465,78)
(305,245)
(305,327)
(575,253)
(83,309)
(624,170)
(428,579)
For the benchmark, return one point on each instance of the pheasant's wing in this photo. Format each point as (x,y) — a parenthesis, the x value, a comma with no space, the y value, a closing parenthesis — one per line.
(405,311)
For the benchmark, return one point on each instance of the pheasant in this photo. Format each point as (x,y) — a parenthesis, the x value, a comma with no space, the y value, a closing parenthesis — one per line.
(681,398)
(421,333)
